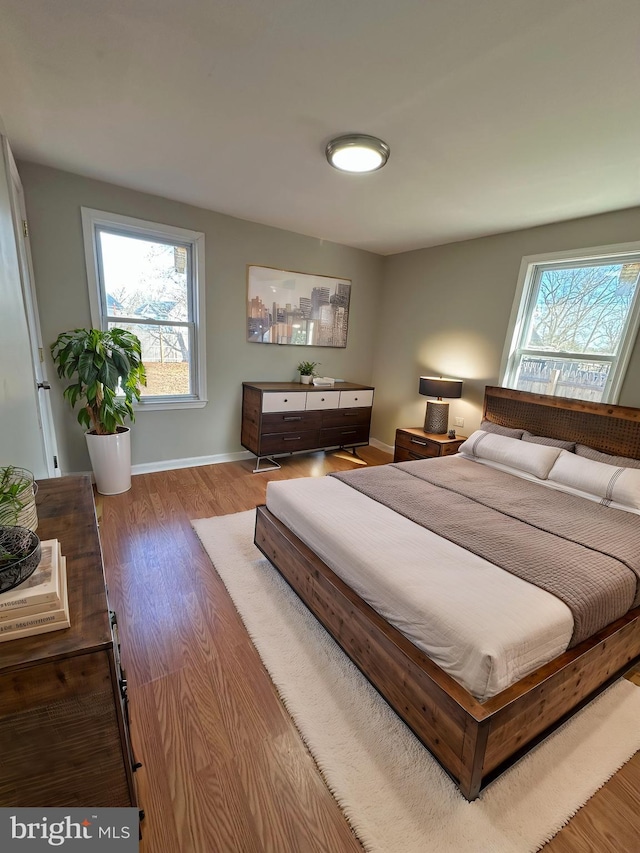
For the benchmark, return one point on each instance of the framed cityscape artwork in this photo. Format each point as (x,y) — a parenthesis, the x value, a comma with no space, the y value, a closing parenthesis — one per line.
(285,307)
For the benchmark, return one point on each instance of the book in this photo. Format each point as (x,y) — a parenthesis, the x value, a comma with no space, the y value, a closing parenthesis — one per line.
(28,610)
(42,586)
(40,623)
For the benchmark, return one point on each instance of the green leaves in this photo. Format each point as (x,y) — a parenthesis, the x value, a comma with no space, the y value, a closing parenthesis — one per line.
(307,368)
(108,370)
(16,489)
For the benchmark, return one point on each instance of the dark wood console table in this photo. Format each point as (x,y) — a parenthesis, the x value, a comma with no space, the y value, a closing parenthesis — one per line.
(64,736)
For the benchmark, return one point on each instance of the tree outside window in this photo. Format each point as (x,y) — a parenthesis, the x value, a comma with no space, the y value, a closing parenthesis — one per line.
(578,322)
(147,282)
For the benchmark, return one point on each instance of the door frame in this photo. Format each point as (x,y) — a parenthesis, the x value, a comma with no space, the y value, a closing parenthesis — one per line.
(25,264)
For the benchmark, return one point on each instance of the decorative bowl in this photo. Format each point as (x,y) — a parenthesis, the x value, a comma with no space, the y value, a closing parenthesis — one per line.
(20,554)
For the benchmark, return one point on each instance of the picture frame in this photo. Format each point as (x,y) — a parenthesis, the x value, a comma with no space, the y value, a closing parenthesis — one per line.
(295,308)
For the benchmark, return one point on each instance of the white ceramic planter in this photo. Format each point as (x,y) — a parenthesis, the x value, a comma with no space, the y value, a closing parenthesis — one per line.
(111,461)
(306,380)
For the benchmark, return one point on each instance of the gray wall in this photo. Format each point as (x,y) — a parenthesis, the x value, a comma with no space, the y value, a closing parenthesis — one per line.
(53,201)
(445,310)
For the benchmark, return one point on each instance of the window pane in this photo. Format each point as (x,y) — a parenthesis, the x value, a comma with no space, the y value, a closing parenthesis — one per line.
(144,278)
(582,309)
(564,377)
(166,356)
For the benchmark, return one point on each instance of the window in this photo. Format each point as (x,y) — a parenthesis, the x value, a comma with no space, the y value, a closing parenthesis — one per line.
(149,279)
(574,323)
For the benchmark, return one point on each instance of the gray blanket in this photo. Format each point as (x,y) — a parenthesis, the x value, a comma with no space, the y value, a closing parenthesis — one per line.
(585,554)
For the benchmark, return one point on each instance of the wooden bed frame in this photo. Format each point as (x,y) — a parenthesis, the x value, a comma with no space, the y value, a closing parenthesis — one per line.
(474,742)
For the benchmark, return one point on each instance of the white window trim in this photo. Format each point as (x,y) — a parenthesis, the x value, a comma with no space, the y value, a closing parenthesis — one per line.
(92,218)
(528,267)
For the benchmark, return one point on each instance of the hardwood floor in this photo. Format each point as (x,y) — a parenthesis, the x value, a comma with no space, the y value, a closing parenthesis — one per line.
(224,768)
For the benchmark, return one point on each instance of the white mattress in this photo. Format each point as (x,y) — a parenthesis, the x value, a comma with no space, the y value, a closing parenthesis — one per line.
(485,627)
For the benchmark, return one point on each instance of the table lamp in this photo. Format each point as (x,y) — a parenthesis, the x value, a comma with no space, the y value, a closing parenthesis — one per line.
(436,419)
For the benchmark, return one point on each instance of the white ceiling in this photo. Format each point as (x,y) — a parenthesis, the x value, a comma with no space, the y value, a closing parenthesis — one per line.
(500,114)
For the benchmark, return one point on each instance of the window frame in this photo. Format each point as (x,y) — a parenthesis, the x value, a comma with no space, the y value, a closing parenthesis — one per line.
(92,221)
(524,305)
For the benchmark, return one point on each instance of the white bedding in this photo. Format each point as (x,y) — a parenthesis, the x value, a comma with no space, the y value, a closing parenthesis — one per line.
(482,625)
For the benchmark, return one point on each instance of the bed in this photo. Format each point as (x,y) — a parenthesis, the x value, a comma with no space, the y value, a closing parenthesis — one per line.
(552,665)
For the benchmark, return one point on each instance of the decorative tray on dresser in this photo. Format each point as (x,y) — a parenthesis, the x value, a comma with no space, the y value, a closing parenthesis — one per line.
(280,418)
(64,734)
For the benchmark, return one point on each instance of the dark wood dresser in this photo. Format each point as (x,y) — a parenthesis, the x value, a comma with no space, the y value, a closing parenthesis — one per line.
(279,418)
(64,735)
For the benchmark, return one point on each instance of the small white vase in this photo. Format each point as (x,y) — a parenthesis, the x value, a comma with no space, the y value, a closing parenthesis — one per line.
(111,461)
(306,380)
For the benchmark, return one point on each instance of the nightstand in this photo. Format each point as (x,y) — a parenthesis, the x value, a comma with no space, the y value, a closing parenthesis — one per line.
(415,443)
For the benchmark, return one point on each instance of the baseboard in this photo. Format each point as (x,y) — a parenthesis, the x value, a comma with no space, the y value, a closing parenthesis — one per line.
(216,459)
(190,462)
(380,445)
(196,461)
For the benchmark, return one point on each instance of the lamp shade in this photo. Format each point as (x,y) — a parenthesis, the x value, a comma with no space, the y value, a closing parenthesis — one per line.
(437,386)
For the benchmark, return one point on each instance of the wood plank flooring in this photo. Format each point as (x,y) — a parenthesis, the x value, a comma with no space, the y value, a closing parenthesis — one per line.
(224,768)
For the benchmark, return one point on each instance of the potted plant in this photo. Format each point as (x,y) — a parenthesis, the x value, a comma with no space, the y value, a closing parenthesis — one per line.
(108,372)
(307,370)
(17,498)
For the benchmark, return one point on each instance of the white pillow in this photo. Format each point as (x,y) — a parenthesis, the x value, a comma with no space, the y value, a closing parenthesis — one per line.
(536,459)
(608,482)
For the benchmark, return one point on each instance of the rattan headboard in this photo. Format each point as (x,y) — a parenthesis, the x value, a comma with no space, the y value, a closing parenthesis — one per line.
(611,429)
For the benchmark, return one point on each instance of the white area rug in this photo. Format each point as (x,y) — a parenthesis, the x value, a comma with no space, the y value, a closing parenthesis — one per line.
(394,794)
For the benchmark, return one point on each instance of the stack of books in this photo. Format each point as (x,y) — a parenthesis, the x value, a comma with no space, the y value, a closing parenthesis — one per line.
(40,603)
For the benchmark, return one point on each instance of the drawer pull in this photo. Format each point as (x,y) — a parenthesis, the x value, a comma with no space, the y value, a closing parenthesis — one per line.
(417,441)
(348,431)
(415,455)
(292,418)
(292,437)
(351,414)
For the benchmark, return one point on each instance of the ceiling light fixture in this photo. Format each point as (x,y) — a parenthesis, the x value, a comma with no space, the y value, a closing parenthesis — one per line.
(357,152)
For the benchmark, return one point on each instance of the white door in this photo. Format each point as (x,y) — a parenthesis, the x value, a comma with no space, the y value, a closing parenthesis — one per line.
(27,436)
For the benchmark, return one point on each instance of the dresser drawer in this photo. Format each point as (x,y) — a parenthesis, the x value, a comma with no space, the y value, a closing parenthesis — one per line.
(323,399)
(287,401)
(355,398)
(344,417)
(420,447)
(290,421)
(404,455)
(289,442)
(344,435)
